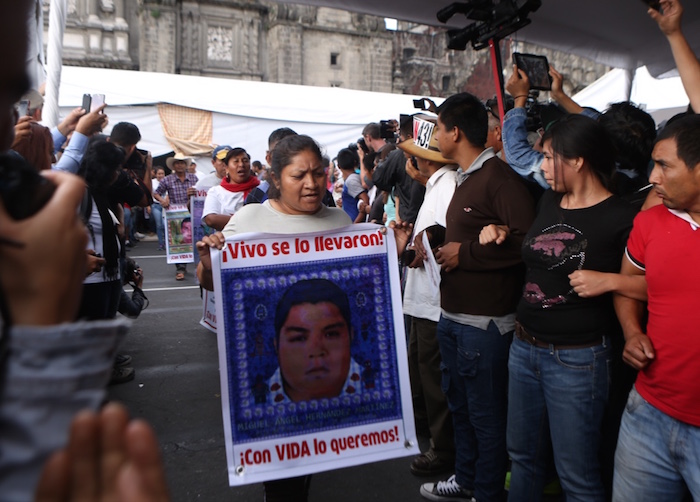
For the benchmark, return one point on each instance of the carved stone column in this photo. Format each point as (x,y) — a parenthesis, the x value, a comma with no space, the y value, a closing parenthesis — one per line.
(159,28)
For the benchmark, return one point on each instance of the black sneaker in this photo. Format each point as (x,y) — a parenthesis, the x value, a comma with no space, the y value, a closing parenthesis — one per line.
(430,464)
(122,360)
(447,491)
(121,374)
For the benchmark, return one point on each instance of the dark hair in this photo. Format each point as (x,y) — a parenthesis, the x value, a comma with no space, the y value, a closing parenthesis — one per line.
(686,132)
(311,291)
(632,132)
(235,152)
(283,154)
(372,130)
(257,164)
(468,114)
(575,136)
(348,160)
(279,134)
(369,160)
(125,134)
(100,163)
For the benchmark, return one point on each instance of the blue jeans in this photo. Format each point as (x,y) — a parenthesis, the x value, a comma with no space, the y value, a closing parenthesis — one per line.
(656,455)
(556,401)
(475,381)
(157,215)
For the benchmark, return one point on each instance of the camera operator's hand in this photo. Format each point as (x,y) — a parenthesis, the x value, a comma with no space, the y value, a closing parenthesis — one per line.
(93,122)
(518,86)
(23,131)
(138,278)
(69,123)
(42,277)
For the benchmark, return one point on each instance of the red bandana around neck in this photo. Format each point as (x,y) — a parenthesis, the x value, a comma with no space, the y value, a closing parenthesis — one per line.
(241,187)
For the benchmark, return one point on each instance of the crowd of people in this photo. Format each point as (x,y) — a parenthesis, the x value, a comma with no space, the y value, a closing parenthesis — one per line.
(560,346)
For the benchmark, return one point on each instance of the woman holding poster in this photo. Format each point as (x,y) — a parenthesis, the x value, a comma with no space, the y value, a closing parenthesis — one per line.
(294,205)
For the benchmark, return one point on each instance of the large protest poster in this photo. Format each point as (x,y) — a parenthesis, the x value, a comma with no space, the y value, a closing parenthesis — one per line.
(311,315)
(178,234)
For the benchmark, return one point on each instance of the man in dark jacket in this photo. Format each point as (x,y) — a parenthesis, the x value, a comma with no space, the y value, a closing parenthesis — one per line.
(479,290)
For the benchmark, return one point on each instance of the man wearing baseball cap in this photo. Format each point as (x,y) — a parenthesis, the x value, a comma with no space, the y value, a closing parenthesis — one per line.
(214,178)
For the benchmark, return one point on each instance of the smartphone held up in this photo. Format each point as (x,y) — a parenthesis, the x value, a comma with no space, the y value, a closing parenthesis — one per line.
(92,102)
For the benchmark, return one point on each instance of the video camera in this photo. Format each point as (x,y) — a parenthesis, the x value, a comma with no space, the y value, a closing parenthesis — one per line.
(389,130)
(132,272)
(493,20)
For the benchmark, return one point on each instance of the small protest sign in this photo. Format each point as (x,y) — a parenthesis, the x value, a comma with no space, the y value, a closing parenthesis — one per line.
(178,235)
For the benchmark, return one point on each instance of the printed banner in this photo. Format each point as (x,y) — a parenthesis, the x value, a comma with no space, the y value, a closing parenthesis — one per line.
(178,235)
(312,351)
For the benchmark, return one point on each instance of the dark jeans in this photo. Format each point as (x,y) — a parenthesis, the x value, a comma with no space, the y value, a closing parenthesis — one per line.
(557,399)
(475,381)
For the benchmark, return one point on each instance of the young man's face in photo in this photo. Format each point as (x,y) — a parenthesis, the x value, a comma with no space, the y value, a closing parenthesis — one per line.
(186,232)
(314,351)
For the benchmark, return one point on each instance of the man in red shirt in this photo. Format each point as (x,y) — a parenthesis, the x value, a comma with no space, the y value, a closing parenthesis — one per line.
(657,450)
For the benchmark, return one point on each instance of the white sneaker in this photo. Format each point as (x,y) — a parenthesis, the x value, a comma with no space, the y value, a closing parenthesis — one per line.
(446,491)
(139,235)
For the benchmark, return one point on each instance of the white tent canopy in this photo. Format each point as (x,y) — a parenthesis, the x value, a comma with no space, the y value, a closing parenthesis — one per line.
(662,98)
(244,113)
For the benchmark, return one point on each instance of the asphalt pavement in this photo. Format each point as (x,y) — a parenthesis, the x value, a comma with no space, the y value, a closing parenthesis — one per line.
(177,390)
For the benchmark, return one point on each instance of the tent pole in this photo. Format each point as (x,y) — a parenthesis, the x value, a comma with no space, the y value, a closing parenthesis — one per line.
(497,67)
(54,60)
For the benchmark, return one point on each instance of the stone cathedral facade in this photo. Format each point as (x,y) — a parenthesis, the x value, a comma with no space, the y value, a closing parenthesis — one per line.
(261,40)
